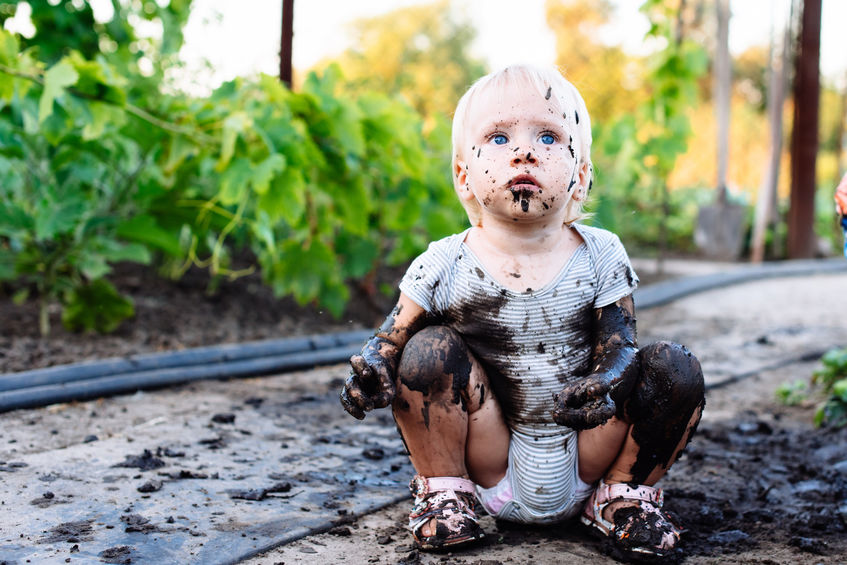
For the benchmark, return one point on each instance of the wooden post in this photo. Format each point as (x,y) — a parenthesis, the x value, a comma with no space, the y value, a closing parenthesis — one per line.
(286,39)
(804,137)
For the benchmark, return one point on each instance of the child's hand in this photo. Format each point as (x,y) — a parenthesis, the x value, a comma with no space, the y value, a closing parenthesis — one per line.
(371,385)
(585,403)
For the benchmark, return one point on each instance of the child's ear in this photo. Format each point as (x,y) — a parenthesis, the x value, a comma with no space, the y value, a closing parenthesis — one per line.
(581,192)
(461,184)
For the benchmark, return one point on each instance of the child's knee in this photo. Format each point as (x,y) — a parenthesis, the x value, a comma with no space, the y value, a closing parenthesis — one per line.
(436,360)
(670,372)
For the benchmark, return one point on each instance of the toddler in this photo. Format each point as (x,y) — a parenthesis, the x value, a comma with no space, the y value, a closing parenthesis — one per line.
(510,361)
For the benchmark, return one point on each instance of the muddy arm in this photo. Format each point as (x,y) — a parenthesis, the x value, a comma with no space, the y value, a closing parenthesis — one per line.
(371,384)
(592,400)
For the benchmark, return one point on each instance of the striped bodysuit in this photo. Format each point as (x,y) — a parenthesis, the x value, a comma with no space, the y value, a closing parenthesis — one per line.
(530,344)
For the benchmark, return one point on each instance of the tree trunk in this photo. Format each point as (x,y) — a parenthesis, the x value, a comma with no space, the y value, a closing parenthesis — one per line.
(804,139)
(286,40)
(722,83)
(766,203)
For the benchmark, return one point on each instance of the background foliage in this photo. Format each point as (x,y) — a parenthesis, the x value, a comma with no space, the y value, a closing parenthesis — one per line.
(97,167)
(102,160)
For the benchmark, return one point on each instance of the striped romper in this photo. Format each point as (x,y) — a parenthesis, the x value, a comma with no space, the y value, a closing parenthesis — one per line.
(530,343)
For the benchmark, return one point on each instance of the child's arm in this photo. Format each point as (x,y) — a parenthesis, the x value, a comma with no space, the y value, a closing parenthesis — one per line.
(590,401)
(841,197)
(371,384)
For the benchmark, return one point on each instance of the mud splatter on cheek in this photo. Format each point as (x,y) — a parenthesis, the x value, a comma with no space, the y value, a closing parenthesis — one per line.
(549,93)
(479,152)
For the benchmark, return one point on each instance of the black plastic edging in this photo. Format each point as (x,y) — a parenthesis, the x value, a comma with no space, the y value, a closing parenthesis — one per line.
(86,389)
(211,355)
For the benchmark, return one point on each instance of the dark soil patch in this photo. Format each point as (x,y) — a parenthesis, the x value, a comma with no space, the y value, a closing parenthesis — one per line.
(747,482)
(172,315)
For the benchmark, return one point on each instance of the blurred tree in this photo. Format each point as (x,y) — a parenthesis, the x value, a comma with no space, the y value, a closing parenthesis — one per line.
(608,78)
(420,52)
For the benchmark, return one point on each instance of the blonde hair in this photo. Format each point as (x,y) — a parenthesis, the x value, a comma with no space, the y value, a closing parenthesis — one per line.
(549,82)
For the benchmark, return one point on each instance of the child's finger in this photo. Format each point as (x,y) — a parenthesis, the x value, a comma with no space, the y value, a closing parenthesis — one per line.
(361,367)
(355,393)
(350,406)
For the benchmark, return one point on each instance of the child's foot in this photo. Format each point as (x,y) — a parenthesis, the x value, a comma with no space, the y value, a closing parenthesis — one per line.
(443,514)
(632,520)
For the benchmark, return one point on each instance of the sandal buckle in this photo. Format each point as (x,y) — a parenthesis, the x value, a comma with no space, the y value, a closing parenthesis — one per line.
(419,486)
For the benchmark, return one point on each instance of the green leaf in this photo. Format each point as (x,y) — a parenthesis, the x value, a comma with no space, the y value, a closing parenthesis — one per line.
(102,115)
(7,265)
(234,125)
(266,171)
(96,306)
(53,219)
(9,48)
(234,181)
(57,77)
(286,198)
(20,296)
(144,229)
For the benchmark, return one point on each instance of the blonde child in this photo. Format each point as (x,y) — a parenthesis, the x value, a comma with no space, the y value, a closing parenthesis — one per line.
(510,361)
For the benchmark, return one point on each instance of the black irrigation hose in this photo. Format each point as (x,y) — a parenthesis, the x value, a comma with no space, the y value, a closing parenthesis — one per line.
(661,293)
(82,381)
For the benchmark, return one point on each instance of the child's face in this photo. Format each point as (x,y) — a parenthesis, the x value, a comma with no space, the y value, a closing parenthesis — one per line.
(518,159)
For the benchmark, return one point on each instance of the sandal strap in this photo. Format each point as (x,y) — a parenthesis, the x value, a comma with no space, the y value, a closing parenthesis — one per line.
(422,486)
(606,493)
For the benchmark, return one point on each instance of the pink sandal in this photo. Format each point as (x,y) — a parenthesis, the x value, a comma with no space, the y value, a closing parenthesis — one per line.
(450,500)
(643,530)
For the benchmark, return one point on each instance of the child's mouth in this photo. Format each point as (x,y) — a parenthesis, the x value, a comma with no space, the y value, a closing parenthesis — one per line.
(523,182)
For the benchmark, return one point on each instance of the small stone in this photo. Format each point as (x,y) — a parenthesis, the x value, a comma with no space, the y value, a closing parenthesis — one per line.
(374,453)
(227,418)
(150,486)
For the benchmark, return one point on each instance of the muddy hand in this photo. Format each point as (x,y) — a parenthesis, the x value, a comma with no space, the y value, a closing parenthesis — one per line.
(584,404)
(371,384)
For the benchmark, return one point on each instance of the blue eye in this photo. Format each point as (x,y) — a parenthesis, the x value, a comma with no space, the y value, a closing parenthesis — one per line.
(499,139)
(548,139)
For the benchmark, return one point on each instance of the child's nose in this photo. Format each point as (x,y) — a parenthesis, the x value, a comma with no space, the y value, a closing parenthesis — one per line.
(521,158)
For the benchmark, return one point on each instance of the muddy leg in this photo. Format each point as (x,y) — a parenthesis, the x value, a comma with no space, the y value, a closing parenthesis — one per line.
(659,418)
(446,413)
(449,419)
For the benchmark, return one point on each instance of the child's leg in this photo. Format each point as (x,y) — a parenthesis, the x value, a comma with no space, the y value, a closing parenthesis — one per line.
(447,415)
(638,447)
(450,420)
(660,416)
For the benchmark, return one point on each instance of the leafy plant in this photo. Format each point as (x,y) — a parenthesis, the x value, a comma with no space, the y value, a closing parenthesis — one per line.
(636,153)
(792,393)
(832,376)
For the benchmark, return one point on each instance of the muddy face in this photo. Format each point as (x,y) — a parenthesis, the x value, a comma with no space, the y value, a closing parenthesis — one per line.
(519,162)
